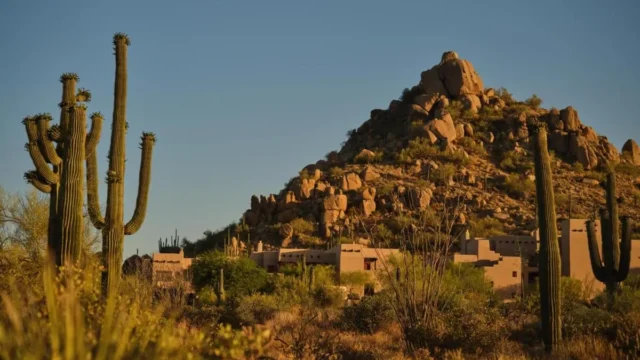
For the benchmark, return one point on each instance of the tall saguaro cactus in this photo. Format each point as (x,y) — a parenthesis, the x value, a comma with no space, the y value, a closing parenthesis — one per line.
(616,253)
(60,169)
(112,225)
(549,258)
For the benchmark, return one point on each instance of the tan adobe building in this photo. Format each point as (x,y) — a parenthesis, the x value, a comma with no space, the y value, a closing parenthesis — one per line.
(170,268)
(511,262)
(345,258)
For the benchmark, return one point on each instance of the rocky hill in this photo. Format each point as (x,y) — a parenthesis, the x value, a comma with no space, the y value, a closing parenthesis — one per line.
(450,144)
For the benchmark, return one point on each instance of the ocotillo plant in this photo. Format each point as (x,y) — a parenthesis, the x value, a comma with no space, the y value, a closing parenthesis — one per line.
(112,225)
(549,258)
(65,188)
(616,253)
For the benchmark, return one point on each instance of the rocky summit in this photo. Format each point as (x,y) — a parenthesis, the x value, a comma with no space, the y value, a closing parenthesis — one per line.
(449,144)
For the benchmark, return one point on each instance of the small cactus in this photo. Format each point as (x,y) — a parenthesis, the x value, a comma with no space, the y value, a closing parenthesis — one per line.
(613,266)
(220,290)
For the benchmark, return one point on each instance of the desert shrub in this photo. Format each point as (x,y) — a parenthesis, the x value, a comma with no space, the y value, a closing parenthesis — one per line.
(336,172)
(385,189)
(302,226)
(518,188)
(377,157)
(421,148)
(383,234)
(577,167)
(257,308)
(455,109)
(408,95)
(442,175)
(370,315)
(327,297)
(596,175)
(73,321)
(418,148)
(513,161)
(400,223)
(505,95)
(241,276)
(486,227)
(472,146)
(534,101)
(626,333)
(303,174)
(628,169)
(579,319)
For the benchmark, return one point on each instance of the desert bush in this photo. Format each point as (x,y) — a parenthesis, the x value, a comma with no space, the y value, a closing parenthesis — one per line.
(442,175)
(472,146)
(378,155)
(408,95)
(505,95)
(577,167)
(627,169)
(596,175)
(533,102)
(241,276)
(72,321)
(421,149)
(455,109)
(517,187)
(400,223)
(370,315)
(336,172)
(486,227)
(257,308)
(625,334)
(302,226)
(513,161)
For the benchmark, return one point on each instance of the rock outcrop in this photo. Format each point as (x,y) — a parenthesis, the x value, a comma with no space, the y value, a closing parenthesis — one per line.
(475,157)
(632,151)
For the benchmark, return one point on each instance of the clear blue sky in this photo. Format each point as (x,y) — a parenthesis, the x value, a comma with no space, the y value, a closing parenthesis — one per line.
(242,95)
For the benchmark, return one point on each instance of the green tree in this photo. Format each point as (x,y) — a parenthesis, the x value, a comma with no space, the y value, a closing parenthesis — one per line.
(241,276)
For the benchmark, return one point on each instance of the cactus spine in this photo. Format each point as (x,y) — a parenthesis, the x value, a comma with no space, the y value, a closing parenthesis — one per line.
(615,253)
(549,257)
(112,225)
(65,188)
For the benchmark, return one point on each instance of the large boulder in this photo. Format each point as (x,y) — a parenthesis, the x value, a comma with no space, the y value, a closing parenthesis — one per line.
(431,83)
(351,181)
(471,102)
(569,117)
(427,101)
(419,198)
(443,128)
(370,174)
(582,151)
(631,151)
(458,76)
(453,77)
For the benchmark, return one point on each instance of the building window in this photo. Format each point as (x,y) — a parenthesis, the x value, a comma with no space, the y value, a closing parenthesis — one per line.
(514,274)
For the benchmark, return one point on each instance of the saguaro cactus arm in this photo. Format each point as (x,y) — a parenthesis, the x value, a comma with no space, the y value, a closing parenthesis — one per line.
(32,147)
(594,253)
(93,198)
(613,231)
(33,178)
(54,133)
(46,145)
(148,140)
(94,135)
